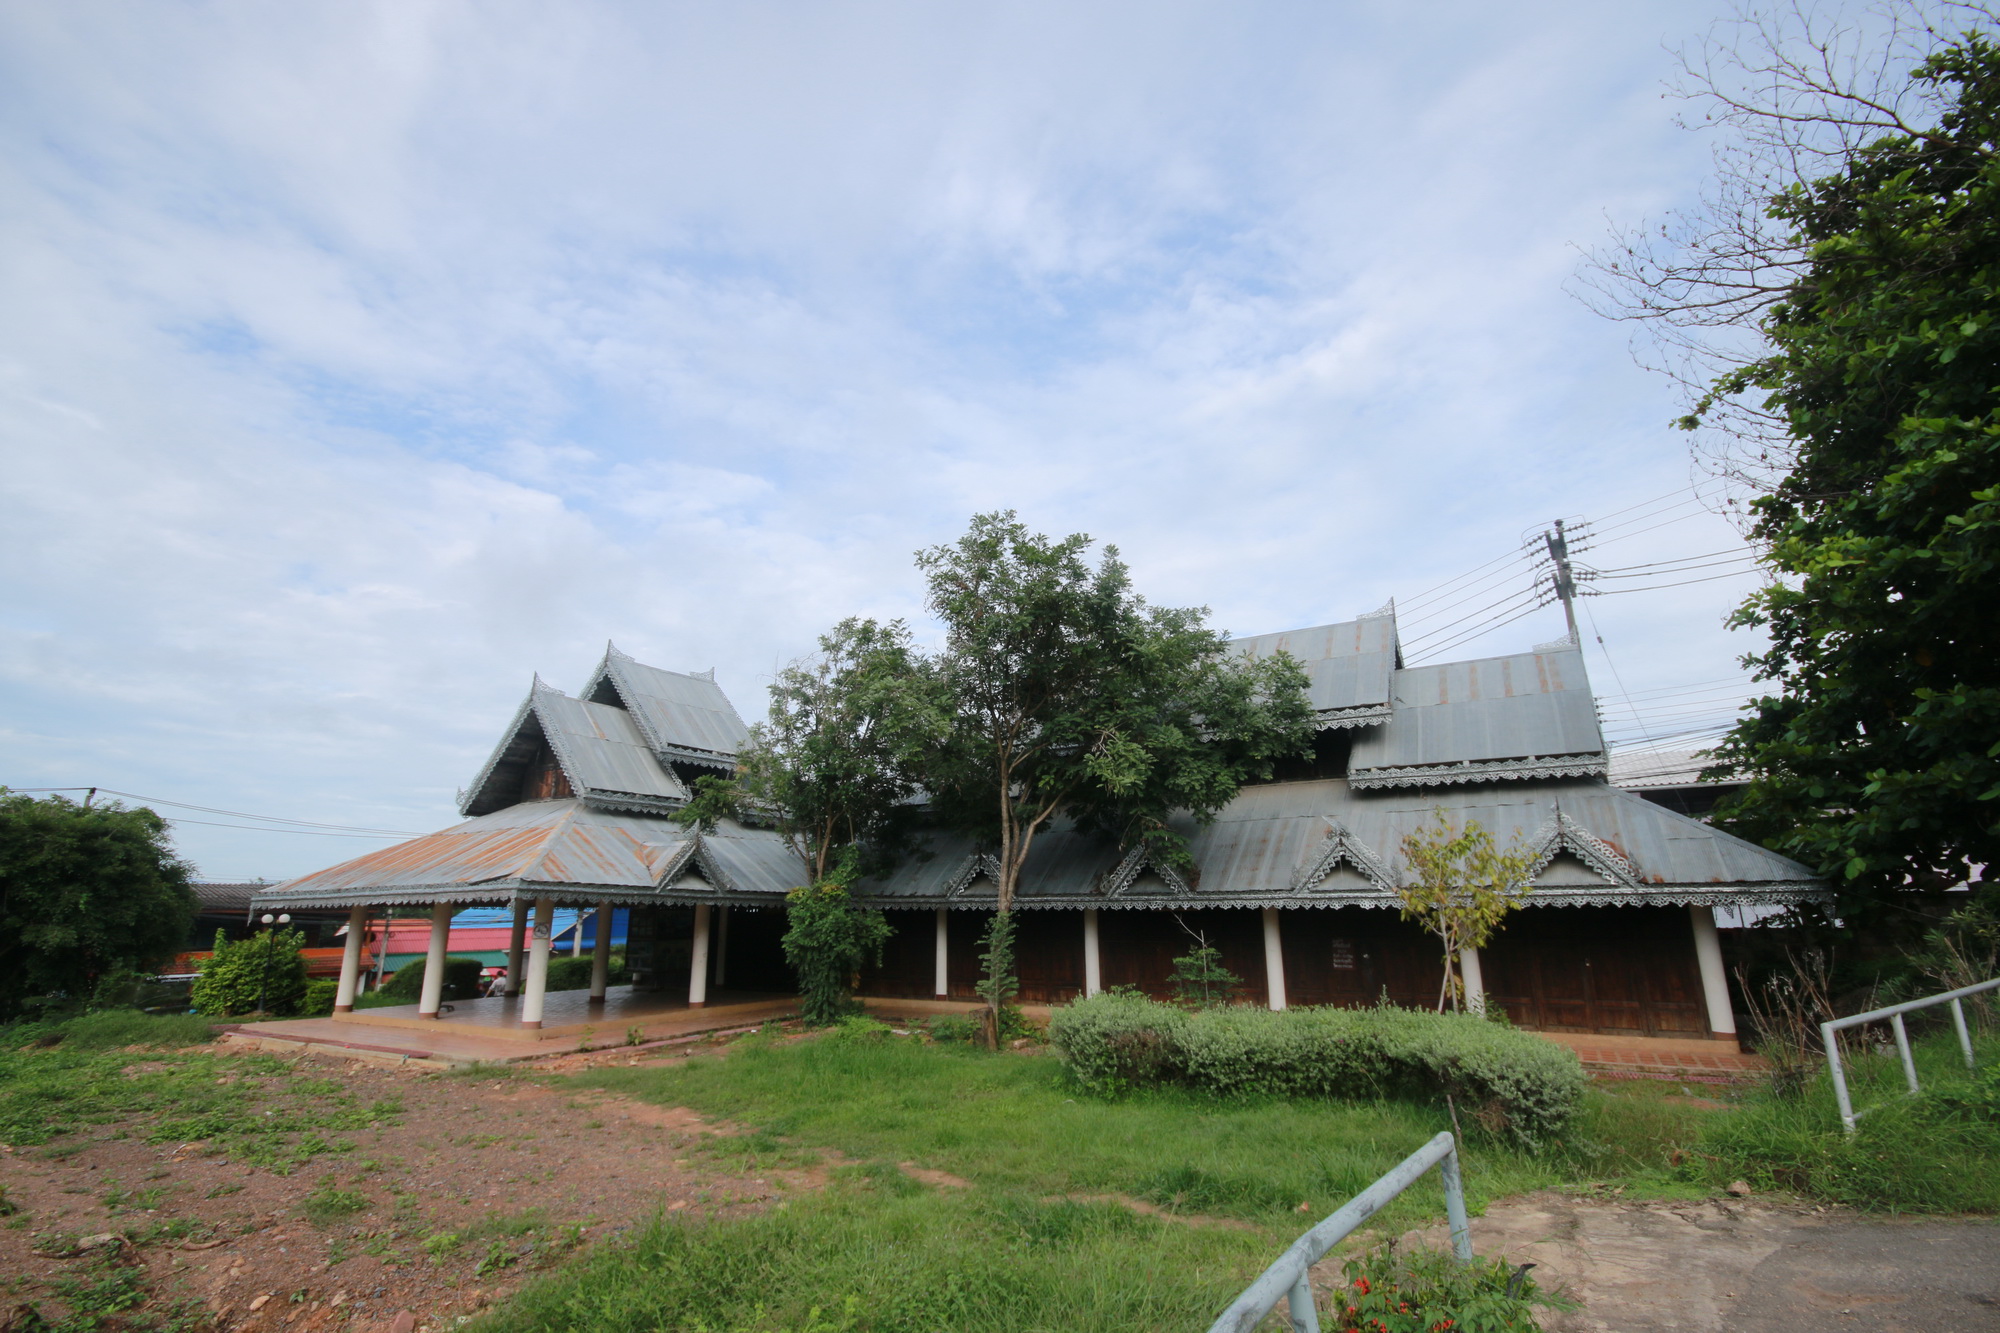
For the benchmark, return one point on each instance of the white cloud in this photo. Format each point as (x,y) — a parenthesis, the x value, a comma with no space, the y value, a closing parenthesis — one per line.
(358,360)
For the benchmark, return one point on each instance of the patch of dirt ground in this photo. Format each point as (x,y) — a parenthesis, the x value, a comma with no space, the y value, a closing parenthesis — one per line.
(1752,1265)
(477,1183)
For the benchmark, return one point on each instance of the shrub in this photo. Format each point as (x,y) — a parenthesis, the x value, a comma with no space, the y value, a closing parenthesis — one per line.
(320,995)
(241,976)
(1111,1042)
(1513,1084)
(574,973)
(461,980)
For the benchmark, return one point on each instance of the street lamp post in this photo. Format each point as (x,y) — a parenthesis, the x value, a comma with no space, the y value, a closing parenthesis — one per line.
(264,985)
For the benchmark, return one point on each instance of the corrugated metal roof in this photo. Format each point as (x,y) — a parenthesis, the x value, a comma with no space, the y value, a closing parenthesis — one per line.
(1496,709)
(560,844)
(676,711)
(601,748)
(544,840)
(1660,768)
(1324,843)
(1349,664)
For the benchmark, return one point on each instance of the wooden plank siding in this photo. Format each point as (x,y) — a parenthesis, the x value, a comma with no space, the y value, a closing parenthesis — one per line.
(1569,969)
(1625,970)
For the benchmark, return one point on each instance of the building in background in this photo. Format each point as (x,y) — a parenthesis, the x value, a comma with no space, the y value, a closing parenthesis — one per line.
(1293,883)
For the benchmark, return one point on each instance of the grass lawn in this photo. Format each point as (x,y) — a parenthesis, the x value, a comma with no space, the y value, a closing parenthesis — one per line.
(1033,1244)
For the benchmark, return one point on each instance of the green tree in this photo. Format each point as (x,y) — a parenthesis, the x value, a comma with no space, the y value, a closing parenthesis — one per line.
(833,761)
(1061,693)
(1855,275)
(828,939)
(84,891)
(265,973)
(1460,888)
(1200,980)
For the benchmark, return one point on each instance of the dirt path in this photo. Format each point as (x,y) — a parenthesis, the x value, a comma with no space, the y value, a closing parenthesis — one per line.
(470,1189)
(1744,1266)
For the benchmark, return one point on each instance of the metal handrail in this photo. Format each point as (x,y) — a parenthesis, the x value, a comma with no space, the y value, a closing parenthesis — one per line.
(1291,1274)
(1894,1013)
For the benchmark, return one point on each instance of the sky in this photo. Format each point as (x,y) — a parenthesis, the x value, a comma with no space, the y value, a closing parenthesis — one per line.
(359,361)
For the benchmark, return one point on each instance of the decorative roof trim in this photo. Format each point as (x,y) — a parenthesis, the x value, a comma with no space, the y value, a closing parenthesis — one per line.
(976,866)
(472,793)
(1485,770)
(506,891)
(1563,834)
(1775,893)
(1340,845)
(1334,719)
(638,802)
(688,755)
(1118,881)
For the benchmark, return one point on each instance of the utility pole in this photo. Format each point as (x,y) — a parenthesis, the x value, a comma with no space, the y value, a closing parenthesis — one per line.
(1565,581)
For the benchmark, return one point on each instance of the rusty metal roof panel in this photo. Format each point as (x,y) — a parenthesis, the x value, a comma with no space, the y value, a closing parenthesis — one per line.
(684,716)
(1524,715)
(1348,665)
(544,840)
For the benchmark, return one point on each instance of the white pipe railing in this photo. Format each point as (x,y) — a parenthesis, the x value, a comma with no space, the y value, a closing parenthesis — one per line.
(1894,1013)
(1291,1275)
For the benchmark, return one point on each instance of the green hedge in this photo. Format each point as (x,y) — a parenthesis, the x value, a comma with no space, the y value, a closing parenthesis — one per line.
(574,973)
(1511,1084)
(461,980)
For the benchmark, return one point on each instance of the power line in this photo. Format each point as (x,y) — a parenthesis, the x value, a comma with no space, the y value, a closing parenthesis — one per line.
(1479,630)
(1733,574)
(259,828)
(234,814)
(1505,603)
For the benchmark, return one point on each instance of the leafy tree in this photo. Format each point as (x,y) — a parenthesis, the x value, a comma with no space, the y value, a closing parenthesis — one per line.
(832,762)
(1460,888)
(828,939)
(1870,379)
(1061,693)
(84,891)
(264,973)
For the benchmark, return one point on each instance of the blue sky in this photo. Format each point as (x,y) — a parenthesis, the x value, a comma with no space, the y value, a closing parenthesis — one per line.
(359,360)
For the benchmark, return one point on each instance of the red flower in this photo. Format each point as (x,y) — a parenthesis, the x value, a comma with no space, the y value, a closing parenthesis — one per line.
(1361,1285)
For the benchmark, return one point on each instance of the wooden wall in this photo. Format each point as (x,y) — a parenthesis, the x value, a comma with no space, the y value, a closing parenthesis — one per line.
(1599,969)
(1565,969)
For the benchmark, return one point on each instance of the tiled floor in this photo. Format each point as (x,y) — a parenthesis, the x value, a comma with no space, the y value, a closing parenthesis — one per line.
(459,1037)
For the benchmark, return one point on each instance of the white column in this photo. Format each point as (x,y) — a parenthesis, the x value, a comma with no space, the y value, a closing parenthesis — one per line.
(538,963)
(600,953)
(943,987)
(576,936)
(698,968)
(350,960)
(427,1007)
(1093,966)
(1274,959)
(1714,981)
(516,942)
(1475,980)
(721,944)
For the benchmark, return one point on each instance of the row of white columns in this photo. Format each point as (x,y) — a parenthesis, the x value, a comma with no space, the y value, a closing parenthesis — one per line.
(533,986)
(1707,948)
(529,983)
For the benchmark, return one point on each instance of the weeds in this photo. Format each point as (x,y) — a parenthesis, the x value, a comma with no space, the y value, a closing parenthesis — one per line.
(326,1205)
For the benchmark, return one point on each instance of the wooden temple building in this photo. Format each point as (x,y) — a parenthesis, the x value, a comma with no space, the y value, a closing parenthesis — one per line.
(1293,879)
